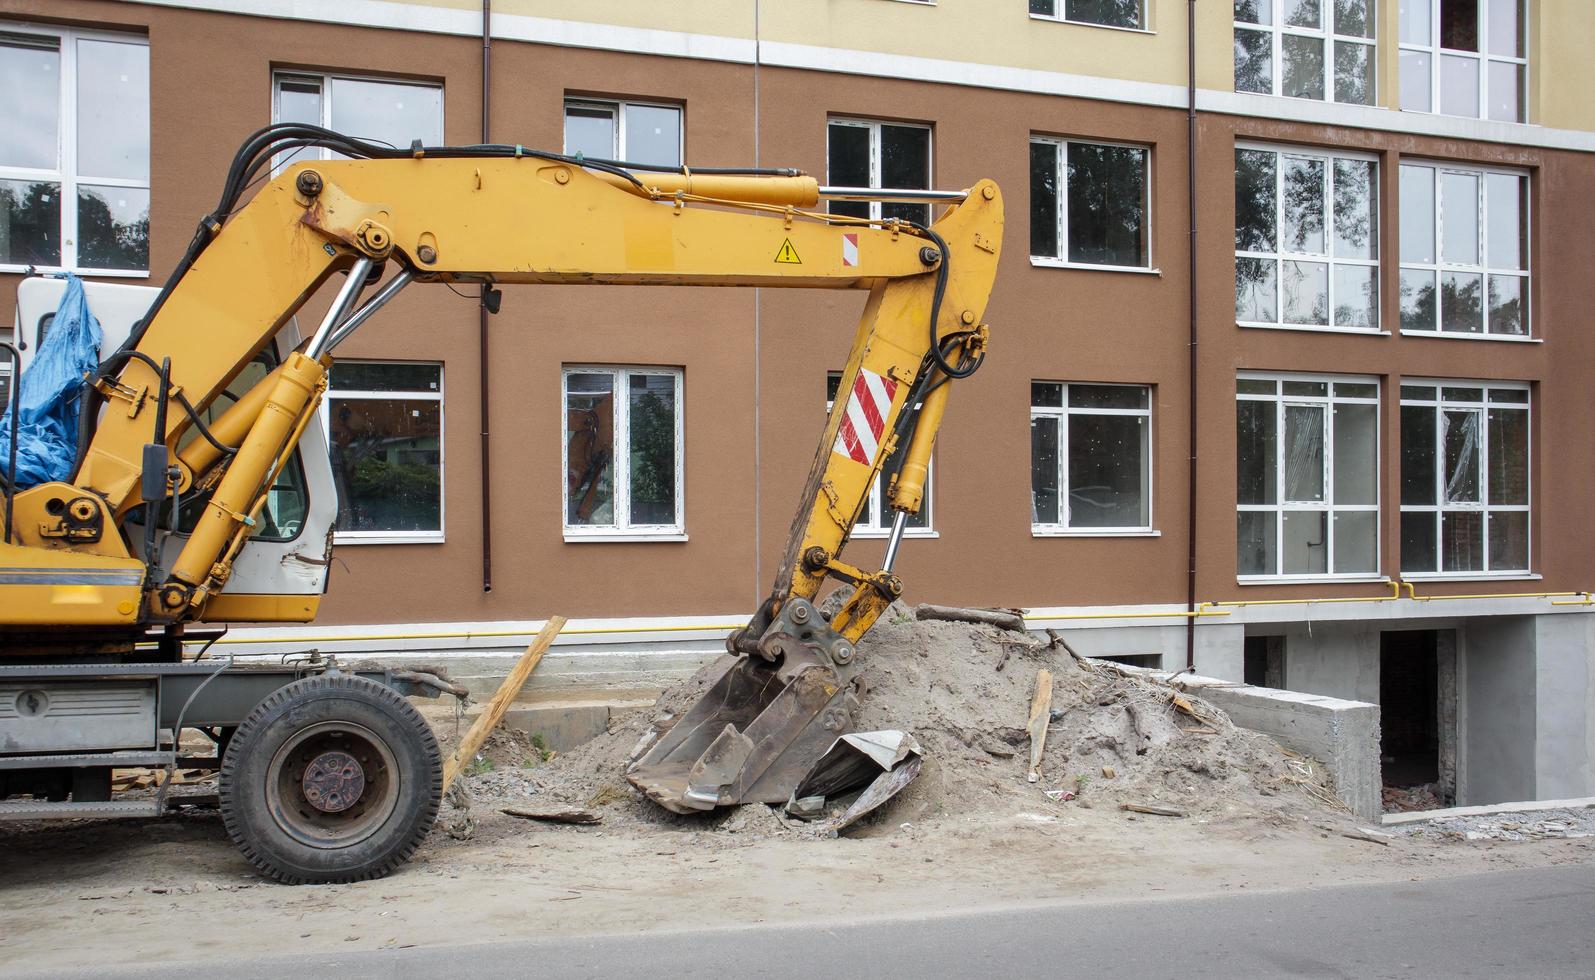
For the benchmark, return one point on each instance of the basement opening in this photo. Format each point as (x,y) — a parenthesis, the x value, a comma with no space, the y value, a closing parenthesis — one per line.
(1264,661)
(1417,718)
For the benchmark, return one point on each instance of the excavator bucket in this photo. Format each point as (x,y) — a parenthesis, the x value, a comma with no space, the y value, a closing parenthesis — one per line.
(763,723)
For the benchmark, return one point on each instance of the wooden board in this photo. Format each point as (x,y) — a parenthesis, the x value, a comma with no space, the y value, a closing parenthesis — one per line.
(489,719)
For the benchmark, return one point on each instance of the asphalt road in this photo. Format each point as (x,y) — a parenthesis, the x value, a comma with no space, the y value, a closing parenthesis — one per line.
(1536,923)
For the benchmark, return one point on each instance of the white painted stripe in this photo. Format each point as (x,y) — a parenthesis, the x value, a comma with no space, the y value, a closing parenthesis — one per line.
(679,44)
(877,388)
(866,436)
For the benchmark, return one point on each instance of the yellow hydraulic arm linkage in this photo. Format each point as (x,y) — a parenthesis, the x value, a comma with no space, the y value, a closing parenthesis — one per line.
(504,214)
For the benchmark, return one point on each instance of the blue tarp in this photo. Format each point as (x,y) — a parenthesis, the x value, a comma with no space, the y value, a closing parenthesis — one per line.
(48,432)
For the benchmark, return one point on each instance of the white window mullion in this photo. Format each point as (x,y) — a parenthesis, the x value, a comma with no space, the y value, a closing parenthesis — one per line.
(620,454)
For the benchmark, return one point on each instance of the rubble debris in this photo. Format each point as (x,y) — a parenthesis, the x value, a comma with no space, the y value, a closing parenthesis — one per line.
(1040,716)
(1559,824)
(1408,799)
(507,691)
(882,762)
(1008,619)
(1107,772)
(554,814)
(1152,808)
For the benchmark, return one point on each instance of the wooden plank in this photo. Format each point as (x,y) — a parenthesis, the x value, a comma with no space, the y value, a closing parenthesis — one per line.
(489,719)
(1008,619)
(1040,717)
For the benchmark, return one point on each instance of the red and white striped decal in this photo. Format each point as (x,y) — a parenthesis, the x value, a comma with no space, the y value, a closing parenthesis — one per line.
(850,249)
(864,419)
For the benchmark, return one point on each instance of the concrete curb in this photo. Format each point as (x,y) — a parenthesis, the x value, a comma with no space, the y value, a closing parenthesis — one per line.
(1530,806)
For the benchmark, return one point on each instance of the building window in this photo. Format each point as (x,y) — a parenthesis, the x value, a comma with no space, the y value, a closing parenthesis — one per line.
(385,428)
(876,155)
(376,109)
(1306,239)
(876,519)
(1464,250)
(636,132)
(75,155)
(1103,13)
(1464,478)
(1090,458)
(636,490)
(1100,217)
(1307,476)
(1464,58)
(1306,49)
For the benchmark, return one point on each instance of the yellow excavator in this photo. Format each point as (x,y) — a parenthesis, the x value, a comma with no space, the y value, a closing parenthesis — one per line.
(200,493)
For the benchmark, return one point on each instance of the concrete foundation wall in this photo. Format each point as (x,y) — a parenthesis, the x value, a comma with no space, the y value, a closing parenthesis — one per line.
(1564,744)
(1338,662)
(1496,761)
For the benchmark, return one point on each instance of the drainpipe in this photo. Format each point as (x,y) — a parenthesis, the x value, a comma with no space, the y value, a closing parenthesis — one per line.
(482,311)
(1190,177)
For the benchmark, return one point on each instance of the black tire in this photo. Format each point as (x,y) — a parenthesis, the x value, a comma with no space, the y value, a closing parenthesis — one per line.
(277,764)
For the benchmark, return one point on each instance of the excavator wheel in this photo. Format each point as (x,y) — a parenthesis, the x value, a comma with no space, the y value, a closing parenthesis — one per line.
(333,778)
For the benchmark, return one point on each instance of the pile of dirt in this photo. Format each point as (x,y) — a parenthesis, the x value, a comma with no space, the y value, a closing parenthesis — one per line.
(964,692)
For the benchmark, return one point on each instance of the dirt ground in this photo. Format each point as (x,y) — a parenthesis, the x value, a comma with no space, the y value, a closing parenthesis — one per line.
(970,829)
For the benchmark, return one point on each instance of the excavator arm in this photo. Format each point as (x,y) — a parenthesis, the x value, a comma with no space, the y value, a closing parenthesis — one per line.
(499,215)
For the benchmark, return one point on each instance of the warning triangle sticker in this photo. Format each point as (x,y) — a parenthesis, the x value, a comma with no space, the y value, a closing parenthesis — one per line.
(788,255)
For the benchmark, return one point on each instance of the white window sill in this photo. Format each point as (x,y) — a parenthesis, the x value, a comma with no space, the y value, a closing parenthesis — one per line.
(1087,23)
(1309,328)
(1500,338)
(1311,580)
(881,534)
(1471,576)
(619,537)
(1047,262)
(55,270)
(1101,532)
(378,537)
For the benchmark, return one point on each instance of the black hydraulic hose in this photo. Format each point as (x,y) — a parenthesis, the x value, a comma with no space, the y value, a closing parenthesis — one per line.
(966,368)
(182,399)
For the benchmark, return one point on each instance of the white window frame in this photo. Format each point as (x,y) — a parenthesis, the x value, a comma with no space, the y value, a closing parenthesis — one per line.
(1060,11)
(1061,261)
(1328,505)
(1327,258)
(1439,267)
(619,108)
(876,519)
(1063,413)
(67,176)
(1278,30)
(397,537)
(874,127)
(623,530)
(1482,56)
(325,80)
(1440,403)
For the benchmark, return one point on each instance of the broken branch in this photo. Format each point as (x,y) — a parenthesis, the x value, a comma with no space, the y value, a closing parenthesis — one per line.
(1008,619)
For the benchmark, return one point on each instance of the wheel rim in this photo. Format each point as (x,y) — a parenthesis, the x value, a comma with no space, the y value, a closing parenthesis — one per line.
(332,785)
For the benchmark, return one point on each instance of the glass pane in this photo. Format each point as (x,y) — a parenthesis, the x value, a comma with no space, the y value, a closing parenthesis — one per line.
(1254,11)
(1459,85)
(1304,13)
(1417,214)
(1113,13)
(1043,198)
(1254,61)
(1509,540)
(1461,302)
(1417,300)
(1417,455)
(30,222)
(1310,389)
(652,431)
(1451,394)
(1107,204)
(1303,60)
(1108,471)
(1507,306)
(370,376)
(1255,475)
(590,449)
(1107,396)
(1304,205)
(1256,386)
(905,156)
(1306,293)
(1459,218)
(1459,25)
(1046,394)
(1356,541)
(1353,18)
(388,112)
(299,101)
(1506,27)
(1356,217)
(1417,81)
(1354,73)
(1506,236)
(1509,456)
(1356,296)
(1419,547)
(1044,8)
(1305,547)
(1255,543)
(286,505)
(1356,389)
(1415,24)
(386,461)
(653,135)
(30,75)
(1304,453)
(1044,501)
(1256,200)
(590,131)
(1506,91)
(1256,292)
(847,162)
(1417,393)
(1356,454)
(113,227)
(113,110)
(1509,396)
(1460,436)
(1462,541)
